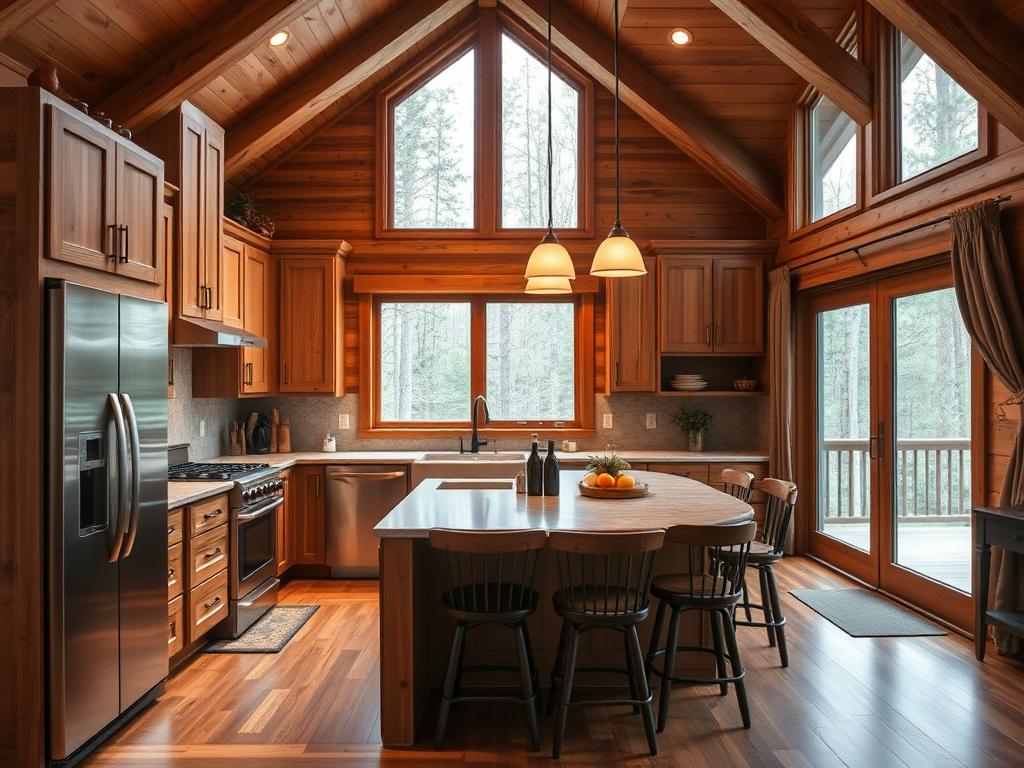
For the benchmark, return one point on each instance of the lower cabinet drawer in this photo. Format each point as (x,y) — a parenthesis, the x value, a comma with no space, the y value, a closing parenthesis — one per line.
(175,625)
(208,604)
(175,523)
(698,472)
(208,553)
(175,571)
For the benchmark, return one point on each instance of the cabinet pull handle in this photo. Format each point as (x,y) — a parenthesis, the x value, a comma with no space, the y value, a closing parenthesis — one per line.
(170,573)
(317,485)
(214,553)
(286,380)
(211,603)
(211,515)
(123,230)
(249,375)
(618,380)
(209,297)
(113,241)
(202,297)
(707,334)
(718,333)
(171,529)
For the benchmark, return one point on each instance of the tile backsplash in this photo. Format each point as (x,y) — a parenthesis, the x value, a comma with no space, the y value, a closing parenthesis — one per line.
(184,413)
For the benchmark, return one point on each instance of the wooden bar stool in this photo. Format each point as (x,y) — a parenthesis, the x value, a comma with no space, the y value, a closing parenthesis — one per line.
(716,559)
(488,578)
(766,550)
(605,581)
(738,483)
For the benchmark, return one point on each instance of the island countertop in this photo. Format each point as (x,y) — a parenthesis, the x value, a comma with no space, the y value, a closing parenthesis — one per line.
(673,500)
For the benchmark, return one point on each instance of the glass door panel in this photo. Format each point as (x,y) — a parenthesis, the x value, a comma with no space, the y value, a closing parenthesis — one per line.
(931,406)
(843,425)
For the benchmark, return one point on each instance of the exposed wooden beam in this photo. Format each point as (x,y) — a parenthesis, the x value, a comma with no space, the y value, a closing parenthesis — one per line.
(976,50)
(591,51)
(283,112)
(198,60)
(17,12)
(623,6)
(801,45)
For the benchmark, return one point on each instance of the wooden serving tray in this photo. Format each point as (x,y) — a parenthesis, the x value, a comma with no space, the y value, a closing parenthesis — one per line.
(636,492)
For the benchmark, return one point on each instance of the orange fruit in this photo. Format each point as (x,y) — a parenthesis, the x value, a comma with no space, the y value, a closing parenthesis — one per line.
(590,480)
(625,481)
(604,480)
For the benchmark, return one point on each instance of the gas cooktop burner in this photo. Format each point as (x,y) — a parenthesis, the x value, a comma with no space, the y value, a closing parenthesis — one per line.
(197,471)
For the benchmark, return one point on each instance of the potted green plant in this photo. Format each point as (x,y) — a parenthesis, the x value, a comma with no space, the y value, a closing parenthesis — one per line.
(694,424)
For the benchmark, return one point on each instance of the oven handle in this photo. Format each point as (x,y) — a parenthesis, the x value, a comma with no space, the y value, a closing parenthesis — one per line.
(264,510)
(367,475)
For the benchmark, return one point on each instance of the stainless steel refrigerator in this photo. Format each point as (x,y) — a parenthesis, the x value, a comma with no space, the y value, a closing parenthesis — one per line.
(107,512)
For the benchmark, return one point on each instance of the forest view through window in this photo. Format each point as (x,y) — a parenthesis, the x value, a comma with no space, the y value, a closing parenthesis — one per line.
(428,355)
(833,159)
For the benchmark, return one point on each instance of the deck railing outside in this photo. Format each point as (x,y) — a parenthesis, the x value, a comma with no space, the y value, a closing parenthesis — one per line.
(932,479)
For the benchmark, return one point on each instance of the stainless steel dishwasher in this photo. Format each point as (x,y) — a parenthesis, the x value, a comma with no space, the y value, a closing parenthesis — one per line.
(358,497)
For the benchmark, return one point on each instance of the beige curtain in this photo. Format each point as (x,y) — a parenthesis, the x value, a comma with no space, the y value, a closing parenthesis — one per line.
(991,308)
(780,380)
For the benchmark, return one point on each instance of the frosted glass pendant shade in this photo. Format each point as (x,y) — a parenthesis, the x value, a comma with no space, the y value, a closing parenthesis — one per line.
(550,259)
(548,285)
(618,256)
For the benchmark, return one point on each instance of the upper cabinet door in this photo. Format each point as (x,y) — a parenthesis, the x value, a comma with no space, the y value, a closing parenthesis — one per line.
(82,224)
(140,200)
(631,332)
(213,213)
(232,284)
(686,317)
(739,306)
(309,328)
(255,372)
(192,246)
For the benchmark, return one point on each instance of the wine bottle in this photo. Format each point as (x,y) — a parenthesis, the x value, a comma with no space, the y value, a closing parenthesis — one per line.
(551,471)
(535,471)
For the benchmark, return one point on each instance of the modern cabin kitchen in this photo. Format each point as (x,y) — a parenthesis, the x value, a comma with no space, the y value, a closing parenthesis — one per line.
(512,382)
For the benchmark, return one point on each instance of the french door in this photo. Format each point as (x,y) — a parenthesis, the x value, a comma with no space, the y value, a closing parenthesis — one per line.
(886,437)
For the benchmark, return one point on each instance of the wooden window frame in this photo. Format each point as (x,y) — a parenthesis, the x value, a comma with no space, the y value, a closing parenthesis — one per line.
(887,144)
(483,35)
(370,422)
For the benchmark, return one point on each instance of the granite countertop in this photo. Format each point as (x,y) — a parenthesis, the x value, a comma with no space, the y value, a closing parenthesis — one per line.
(673,500)
(180,493)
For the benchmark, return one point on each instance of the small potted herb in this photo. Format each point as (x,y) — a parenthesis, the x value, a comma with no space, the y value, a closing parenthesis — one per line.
(694,423)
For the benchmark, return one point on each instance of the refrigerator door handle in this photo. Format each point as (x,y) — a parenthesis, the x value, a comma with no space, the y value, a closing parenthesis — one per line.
(136,483)
(115,535)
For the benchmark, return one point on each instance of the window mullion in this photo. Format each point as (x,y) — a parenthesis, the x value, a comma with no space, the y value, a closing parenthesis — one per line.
(488,175)
(478,348)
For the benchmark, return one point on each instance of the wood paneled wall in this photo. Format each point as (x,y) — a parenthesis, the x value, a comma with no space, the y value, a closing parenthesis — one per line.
(327,190)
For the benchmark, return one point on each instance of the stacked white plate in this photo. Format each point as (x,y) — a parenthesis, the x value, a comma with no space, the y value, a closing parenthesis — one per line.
(688,382)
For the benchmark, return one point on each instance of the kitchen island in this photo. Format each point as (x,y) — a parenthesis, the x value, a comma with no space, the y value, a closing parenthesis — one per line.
(414,630)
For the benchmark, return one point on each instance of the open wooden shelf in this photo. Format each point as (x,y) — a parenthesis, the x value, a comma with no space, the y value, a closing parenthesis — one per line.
(712,393)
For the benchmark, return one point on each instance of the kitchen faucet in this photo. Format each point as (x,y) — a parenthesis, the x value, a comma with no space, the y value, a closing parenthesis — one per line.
(475,442)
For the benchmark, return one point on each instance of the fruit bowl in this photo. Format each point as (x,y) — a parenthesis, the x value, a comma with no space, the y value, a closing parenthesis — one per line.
(637,491)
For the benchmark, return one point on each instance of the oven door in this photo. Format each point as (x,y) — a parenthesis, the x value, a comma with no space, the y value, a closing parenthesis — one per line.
(254,539)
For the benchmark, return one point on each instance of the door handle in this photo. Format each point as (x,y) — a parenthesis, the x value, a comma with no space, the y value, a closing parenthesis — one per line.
(123,230)
(880,437)
(119,435)
(136,461)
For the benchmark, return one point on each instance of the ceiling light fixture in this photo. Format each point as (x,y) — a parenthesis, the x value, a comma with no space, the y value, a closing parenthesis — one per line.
(544,286)
(617,256)
(279,38)
(680,37)
(550,259)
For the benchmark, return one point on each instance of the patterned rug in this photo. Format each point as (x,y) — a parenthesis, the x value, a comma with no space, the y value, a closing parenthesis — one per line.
(860,613)
(268,635)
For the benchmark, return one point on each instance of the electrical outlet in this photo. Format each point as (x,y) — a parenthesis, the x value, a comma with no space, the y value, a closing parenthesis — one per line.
(607,421)
(343,421)
(202,427)
(652,421)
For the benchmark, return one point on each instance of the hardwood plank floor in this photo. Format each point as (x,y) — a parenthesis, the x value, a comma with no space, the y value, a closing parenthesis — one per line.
(903,702)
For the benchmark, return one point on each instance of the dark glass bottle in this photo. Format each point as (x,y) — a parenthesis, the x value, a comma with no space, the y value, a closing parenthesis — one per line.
(551,471)
(535,471)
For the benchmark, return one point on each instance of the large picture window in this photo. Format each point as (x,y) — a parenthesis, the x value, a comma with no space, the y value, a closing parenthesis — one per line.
(464,146)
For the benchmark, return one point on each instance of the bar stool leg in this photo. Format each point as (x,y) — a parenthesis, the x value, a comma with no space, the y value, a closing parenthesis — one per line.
(766,606)
(737,669)
(777,617)
(716,635)
(669,668)
(557,670)
(534,677)
(526,678)
(746,598)
(659,619)
(631,671)
(644,689)
(449,683)
(565,690)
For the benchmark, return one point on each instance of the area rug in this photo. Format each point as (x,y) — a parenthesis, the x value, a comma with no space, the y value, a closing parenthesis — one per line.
(268,635)
(861,613)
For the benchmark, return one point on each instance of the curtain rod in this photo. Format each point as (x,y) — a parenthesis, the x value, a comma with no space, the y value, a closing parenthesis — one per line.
(930,223)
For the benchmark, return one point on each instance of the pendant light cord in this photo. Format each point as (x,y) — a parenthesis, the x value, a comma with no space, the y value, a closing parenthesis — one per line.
(551,215)
(618,152)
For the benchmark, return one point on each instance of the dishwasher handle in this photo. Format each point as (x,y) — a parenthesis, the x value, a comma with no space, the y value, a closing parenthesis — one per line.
(366,475)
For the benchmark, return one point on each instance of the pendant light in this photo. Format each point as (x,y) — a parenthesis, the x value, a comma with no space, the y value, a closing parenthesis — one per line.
(550,260)
(618,255)
(546,286)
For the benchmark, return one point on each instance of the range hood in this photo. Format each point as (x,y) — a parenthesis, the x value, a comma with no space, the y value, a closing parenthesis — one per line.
(193,332)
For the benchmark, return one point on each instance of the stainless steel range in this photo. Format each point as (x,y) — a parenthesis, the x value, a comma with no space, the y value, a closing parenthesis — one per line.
(257,494)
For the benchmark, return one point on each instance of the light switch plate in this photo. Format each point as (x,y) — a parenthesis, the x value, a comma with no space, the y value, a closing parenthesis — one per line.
(607,423)
(202,427)
(652,421)
(343,421)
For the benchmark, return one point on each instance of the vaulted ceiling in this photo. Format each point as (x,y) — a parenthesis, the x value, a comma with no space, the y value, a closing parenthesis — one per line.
(725,98)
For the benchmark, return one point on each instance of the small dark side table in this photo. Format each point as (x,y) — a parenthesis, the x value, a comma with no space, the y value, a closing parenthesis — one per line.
(995,526)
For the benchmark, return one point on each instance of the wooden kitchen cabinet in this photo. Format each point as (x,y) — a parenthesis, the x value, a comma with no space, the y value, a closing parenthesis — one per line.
(306,516)
(685,286)
(630,323)
(739,306)
(284,524)
(192,146)
(105,199)
(311,328)
(233,281)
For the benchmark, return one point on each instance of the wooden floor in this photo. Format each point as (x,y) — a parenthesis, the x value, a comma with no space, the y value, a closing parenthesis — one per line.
(843,701)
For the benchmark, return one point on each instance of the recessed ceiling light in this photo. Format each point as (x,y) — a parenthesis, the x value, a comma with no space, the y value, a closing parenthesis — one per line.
(279,38)
(680,36)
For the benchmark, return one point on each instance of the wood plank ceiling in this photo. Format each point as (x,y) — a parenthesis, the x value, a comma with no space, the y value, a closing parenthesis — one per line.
(725,75)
